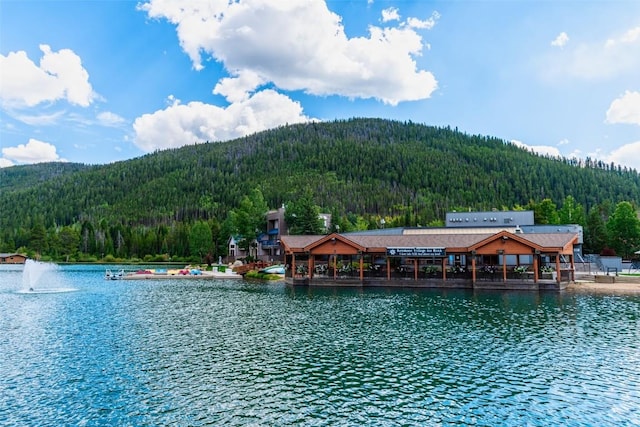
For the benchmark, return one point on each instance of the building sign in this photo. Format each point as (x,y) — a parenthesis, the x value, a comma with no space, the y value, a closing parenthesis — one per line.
(416,252)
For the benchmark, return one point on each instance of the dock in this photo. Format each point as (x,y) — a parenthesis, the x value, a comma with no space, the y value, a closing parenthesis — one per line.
(194,274)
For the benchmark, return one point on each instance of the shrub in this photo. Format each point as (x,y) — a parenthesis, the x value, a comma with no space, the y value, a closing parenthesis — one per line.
(109,258)
(261,276)
(156,258)
(521,269)
(430,269)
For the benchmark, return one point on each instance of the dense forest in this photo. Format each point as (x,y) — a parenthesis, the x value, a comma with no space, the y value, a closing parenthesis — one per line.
(359,170)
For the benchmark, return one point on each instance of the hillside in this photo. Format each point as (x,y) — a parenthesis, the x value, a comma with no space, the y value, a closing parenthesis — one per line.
(18,178)
(362,166)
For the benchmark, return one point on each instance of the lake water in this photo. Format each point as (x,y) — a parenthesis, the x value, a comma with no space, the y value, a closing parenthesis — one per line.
(206,352)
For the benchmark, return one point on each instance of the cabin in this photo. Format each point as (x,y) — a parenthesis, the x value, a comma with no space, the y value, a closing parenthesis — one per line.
(492,260)
(12,259)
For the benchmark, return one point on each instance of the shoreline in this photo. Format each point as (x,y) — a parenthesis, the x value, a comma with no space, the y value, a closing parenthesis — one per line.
(203,275)
(618,285)
(617,288)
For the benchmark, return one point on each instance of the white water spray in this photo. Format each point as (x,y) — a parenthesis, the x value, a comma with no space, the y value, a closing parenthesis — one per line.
(41,277)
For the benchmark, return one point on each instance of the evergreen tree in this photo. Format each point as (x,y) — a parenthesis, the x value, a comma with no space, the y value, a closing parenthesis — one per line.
(595,232)
(249,218)
(200,241)
(303,216)
(545,212)
(623,228)
(219,241)
(69,241)
(37,237)
(53,243)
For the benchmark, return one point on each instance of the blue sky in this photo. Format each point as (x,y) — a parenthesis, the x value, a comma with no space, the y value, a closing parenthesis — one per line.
(101,81)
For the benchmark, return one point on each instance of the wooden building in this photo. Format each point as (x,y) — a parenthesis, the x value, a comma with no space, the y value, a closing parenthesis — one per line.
(501,260)
(12,259)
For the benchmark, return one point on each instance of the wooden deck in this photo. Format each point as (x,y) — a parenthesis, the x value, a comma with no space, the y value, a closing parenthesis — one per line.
(509,284)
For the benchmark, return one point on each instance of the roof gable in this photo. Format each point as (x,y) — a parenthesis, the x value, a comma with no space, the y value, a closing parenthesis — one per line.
(505,241)
(334,243)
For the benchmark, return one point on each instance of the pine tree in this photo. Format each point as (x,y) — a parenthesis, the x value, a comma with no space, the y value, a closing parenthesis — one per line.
(624,230)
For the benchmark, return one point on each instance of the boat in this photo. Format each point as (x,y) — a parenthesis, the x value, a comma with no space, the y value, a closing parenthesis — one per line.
(274,269)
(118,275)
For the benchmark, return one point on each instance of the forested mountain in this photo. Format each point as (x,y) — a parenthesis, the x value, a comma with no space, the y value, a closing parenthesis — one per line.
(358,166)
(21,177)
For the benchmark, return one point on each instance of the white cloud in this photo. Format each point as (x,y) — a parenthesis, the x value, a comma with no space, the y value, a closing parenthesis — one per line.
(5,163)
(561,40)
(390,14)
(196,122)
(544,150)
(609,58)
(426,24)
(33,151)
(236,89)
(60,75)
(107,118)
(299,46)
(563,141)
(40,119)
(626,155)
(577,153)
(625,109)
(630,37)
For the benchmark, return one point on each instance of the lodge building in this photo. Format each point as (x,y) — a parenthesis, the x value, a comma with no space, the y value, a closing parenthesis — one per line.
(12,258)
(473,260)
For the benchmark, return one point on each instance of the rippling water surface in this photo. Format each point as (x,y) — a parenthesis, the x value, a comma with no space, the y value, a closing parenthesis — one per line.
(203,352)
